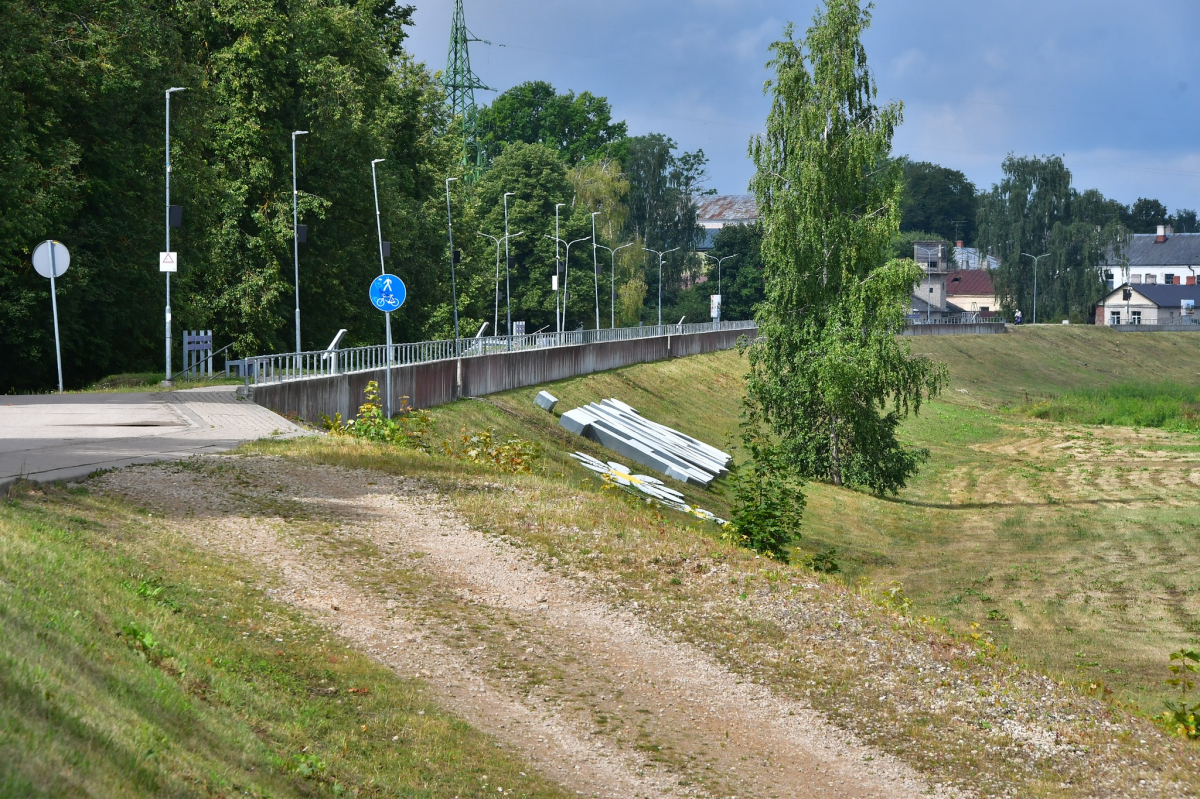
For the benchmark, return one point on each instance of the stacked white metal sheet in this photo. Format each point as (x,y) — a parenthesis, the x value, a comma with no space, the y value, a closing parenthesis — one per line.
(613,424)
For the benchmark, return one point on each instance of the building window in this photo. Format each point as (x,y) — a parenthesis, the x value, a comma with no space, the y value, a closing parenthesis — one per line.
(1151,279)
(1115,318)
(984,309)
(1135,278)
(1135,317)
(1169,280)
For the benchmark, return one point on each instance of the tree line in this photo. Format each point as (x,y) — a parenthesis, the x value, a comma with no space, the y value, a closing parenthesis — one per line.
(81,137)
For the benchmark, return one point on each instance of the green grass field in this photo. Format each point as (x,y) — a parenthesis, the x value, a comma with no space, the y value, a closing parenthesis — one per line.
(1074,544)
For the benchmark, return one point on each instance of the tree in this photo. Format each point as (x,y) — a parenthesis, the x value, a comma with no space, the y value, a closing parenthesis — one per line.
(577,127)
(938,199)
(1146,215)
(1184,221)
(830,378)
(741,281)
(662,206)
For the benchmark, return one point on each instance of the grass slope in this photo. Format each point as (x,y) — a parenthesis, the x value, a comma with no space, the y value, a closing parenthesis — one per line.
(1074,545)
(135,666)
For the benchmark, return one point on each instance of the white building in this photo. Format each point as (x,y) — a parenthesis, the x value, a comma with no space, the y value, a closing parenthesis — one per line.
(1149,304)
(1164,259)
(717,211)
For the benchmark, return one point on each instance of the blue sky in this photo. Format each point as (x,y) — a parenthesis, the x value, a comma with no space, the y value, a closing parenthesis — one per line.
(1113,86)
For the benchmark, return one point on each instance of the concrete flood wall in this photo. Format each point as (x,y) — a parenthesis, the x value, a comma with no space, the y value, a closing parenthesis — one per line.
(437,383)
(980,328)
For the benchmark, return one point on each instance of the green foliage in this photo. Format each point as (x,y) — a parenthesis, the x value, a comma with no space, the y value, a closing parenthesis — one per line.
(409,428)
(831,377)
(824,562)
(1170,406)
(902,242)
(82,138)
(514,455)
(768,507)
(741,284)
(1180,718)
(935,198)
(576,127)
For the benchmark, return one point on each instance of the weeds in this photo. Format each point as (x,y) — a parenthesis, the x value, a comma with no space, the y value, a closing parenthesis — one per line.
(1180,718)
(410,428)
(513,454)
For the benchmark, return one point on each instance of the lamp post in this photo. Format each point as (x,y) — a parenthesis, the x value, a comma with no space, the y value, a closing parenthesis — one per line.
(557,268)
(719,292)
(507,260)
(566,270)
(660,260)
(496,308)
(595,268)
(387,404)
(613,273)
(453,284)
(296,234)
(1035,258)
(167,376)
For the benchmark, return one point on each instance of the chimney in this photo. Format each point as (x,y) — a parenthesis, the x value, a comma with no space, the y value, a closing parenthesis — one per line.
(1162,234)
(958,244)
(1170,231)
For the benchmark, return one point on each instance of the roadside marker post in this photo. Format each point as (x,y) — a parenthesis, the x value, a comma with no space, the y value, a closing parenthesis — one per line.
(51,259)
(388,293)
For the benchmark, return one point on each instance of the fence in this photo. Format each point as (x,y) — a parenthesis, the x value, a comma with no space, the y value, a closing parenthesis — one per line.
(262,369)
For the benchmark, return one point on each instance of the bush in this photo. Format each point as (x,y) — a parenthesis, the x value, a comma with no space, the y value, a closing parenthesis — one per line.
(767,509)
(409,428)
(1180,718)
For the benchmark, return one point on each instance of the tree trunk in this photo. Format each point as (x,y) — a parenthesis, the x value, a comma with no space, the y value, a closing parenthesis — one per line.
(835,462)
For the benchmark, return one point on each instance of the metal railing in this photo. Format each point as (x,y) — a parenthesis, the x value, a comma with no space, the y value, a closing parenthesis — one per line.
(1170,321)
(956,319)
(322,363)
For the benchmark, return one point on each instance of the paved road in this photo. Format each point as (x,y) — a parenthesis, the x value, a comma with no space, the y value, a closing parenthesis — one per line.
(54,437)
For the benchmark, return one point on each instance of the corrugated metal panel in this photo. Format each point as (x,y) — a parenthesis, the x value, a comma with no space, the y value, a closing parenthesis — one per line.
(727,208)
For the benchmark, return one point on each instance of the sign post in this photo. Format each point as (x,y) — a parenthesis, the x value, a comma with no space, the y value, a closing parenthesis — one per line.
(50,259)
(388,294)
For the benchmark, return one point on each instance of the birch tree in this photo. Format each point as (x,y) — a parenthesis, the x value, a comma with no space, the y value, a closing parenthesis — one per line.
(830,381)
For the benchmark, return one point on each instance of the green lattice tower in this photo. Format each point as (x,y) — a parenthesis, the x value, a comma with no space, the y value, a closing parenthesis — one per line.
(461,84)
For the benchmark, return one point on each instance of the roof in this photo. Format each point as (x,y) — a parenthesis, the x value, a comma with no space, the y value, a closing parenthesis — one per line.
(728,209)
(710,239)
(1180,249)
(1162,296)
(970,281)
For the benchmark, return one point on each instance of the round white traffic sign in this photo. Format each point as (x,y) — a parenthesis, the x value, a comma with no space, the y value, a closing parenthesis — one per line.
(44,260)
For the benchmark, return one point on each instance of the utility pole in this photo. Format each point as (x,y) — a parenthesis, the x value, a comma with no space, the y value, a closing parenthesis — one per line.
(453,284)
(612,306)
(167,376)
(461,82)
(595,268)
(660,260)
(296,234)
(1035,258)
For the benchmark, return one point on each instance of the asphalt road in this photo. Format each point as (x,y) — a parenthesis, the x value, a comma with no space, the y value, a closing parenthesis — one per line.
(47,438)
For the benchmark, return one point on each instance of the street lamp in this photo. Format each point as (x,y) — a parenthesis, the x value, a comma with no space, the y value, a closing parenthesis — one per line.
(387,404)
(557,263)
(167,377)
(507,261)
(566,271)
(595,268)
(1035,258)
(660,260)
(719,262)
(496,308)
(453,284)
(613,271)
(296,234)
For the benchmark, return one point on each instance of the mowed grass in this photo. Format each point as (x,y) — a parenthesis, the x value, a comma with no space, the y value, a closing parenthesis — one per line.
(1075,545)
(134,665)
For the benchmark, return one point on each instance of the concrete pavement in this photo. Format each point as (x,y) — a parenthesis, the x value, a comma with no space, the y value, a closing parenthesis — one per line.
(46,438)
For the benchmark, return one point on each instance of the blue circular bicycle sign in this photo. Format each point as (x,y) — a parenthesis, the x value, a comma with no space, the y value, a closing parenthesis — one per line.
(388,293)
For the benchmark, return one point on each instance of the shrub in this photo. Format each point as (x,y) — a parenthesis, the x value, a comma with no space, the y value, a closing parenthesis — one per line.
(409,428)
(767,509)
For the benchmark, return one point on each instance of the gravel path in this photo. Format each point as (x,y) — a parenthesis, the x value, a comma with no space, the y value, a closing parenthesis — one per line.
(590,694)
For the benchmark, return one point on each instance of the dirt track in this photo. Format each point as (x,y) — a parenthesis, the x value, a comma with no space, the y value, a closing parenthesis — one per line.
(590,694)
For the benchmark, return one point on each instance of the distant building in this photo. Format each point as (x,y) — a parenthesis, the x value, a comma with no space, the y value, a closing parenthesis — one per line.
(946,289)
(1164,258)
(969,258)
(717,211)
(1149,304)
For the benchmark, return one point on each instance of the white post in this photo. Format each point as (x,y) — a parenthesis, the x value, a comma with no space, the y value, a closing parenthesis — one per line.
(54,308)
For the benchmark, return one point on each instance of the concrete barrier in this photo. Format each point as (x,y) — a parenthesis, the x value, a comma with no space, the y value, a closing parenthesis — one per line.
(979,328)
(428,384)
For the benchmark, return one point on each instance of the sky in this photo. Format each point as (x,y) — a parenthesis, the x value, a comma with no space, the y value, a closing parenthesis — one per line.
(1112,86)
